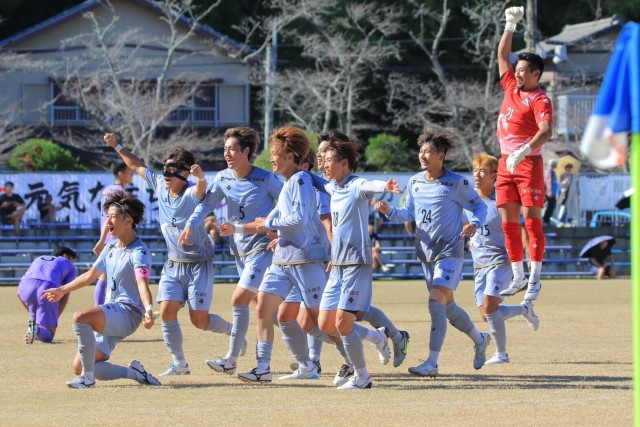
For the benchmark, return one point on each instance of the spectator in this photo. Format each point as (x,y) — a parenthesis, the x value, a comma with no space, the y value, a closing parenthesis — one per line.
(11,207)
(551,189)
(602,260)
(48,209)
(568,198)
(375,249)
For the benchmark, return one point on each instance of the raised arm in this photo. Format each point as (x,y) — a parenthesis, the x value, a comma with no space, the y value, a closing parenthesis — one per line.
(513,15)
(129,158)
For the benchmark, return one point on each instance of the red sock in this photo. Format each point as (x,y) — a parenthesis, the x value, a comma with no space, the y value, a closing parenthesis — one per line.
(536,238)
(513,241)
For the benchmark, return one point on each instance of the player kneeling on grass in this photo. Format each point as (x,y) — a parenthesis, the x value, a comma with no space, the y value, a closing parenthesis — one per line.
(125,260)
(45,272)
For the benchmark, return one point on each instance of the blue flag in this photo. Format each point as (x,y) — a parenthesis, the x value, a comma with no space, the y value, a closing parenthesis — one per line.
(617,109)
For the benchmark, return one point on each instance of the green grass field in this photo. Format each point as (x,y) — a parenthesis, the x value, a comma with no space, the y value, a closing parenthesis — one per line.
(576,370)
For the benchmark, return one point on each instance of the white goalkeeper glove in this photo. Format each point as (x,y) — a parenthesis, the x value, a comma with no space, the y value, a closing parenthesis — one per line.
(513,15)
(516,157)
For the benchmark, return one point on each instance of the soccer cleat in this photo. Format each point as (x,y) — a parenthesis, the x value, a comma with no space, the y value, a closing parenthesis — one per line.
(424,370)
(515,286)
(256,376)
(143,377)
(81,382)
(344,375)
(498,359)
(400,349)
(356,383)
(221,365)
(243,349)
(533,291)
(294,366)
(384,352)
(32,331)
(302,374)
(480,351)
(174,369)
(530,315)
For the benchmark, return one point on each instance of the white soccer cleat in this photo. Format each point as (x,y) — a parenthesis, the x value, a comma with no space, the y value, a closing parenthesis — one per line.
(530,315)
(480,351)
(32,331)
(174,369)
(221,365)
(515,286)
(424,370)
(498,359)
(143,377)
(81,382)
(256,376)
(533,291)
(384,352)
(344,375)
(302,374)
(356,384)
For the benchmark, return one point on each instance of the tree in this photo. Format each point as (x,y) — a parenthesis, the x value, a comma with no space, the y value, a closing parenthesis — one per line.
(465,107)
(389,153)
(43,155)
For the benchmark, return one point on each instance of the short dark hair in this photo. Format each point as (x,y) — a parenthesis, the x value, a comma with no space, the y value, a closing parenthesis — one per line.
(246,137)
(127,203)
(180,155)
(9,183)
(332,135)
(440,140)
(534,61)
(63,250)
(345,150)
(119,167)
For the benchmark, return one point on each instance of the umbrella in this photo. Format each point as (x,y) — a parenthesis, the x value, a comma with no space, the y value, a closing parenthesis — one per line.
(588,250)
(564,161)
(624,202)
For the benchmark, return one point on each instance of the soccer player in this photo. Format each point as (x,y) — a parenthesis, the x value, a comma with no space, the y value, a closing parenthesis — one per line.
(124,176)
(125,260)
(524,126)
(435,200)
(45,272)
(492,271)
(298,259)
(349,291)
(250,192)
(187,276)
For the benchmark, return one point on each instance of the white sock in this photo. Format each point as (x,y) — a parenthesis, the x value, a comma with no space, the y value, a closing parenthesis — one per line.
(518,270)
(536,269)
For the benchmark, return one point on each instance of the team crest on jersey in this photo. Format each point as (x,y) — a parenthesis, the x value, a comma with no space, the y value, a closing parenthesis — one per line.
(228,187)
(526,102)
(465,182)
(301,181)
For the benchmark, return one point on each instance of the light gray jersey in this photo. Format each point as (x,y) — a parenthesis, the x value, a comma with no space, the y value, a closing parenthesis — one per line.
(119,264)
(437,208)
(173,214)
(301,236)
(350,199)
(247,199)
(487,245)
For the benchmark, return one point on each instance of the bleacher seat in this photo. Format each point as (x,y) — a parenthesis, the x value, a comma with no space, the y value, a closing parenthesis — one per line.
(610,218)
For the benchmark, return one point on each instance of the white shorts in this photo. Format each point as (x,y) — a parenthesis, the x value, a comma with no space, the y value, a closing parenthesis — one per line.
(120,322)
(187,281)
(349,288)
(294,294)
(308,278)
(445,272)
(491,281)
(251,269)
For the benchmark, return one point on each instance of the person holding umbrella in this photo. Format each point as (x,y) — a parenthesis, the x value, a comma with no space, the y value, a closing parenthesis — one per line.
(598,250)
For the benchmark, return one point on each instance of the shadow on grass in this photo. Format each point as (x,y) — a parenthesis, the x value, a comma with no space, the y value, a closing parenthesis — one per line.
(501,382)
